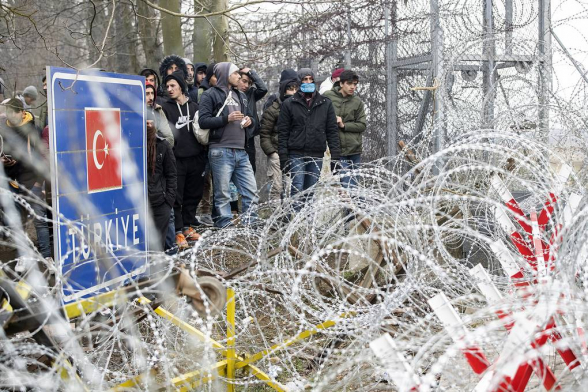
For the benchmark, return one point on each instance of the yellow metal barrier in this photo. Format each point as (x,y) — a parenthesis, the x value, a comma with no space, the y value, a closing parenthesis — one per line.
(193,379)
(230,339)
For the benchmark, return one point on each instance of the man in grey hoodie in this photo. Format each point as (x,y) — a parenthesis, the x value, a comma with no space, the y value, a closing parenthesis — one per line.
(229,132)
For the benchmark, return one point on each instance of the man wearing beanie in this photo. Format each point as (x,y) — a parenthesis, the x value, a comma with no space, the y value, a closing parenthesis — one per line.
(330,82)
(224,110)
(269,130)
(28,97)
(307,123)
(190,157)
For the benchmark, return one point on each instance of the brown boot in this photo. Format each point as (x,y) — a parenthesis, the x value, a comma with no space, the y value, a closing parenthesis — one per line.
(181,242)
(191,235)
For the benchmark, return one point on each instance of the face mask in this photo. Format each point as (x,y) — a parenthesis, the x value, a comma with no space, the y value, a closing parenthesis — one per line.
(308,87)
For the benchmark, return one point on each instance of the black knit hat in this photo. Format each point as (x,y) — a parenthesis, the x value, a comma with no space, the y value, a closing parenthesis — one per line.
(178,76)
(210,71)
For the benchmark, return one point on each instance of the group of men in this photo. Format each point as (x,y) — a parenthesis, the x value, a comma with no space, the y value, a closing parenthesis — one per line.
(185,173)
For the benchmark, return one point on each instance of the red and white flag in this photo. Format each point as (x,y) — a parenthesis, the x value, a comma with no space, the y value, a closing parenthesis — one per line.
(103,157)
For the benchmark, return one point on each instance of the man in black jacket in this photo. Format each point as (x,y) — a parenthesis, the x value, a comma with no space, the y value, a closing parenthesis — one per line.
(168,65)
(190,157)
(307,123)
(161,180)
(229,132)
(255,89)
(24,166)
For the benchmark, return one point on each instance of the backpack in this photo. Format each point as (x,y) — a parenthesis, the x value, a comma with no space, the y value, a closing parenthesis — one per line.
(202,135)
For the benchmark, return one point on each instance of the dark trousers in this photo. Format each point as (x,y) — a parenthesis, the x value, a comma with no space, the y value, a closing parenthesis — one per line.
(189,192)
(160,215)
(250,148)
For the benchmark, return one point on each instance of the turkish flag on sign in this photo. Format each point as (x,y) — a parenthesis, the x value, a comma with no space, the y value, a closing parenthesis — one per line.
(103,157)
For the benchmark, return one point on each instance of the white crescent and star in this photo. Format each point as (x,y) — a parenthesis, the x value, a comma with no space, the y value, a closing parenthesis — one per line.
(105,149)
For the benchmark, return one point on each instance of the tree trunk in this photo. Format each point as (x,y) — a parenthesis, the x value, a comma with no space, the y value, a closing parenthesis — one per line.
(172,28)
(131,40)
(220,41)
(148,27)
(201,34)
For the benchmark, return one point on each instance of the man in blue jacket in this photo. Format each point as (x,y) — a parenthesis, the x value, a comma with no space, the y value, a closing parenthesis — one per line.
(229,132)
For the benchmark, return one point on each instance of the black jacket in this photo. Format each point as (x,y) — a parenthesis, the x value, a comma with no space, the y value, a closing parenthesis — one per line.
(193,93)
(185,143)
(254,94)
(162,184)
(210,103)
(23,145)
(306,130)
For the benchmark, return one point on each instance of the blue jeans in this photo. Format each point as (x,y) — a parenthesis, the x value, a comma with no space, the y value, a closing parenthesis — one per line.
(232,164)
(305,172)
(40,223)
(349,163)
(170,238)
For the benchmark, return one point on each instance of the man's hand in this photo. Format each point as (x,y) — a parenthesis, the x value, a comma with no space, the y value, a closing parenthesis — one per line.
(236,116)
(247,122)
(150,126)
(246,70)
(340,122)
(8,161)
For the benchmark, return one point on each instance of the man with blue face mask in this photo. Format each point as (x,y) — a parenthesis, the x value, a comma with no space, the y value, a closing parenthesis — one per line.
(307,123)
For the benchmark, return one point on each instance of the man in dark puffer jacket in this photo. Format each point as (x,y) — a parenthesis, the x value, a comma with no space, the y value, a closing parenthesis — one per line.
(168,65)
(307,123)
(269,130)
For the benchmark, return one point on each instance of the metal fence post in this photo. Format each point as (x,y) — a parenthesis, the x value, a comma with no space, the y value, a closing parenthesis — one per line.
(391,79)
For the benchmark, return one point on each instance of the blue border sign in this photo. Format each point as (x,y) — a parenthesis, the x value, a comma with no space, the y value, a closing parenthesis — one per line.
(99,184)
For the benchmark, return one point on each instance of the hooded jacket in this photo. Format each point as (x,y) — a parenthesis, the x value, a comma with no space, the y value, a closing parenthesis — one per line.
(23,144)
(198,66)
(157,80)
(205,85)
(268,138)
(164,65)
(269,121)
(287,75)
(352,112)
(192,88)
(307,129)
(161,123)
(158,88)
(180,118)
(213,99)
